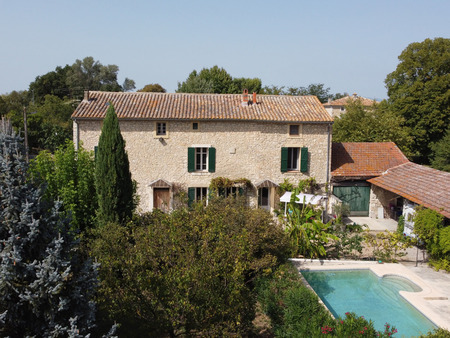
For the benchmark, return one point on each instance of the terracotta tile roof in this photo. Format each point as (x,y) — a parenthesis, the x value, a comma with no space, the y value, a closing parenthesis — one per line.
(344,100)
(419,184)
(183,106)
(364,159)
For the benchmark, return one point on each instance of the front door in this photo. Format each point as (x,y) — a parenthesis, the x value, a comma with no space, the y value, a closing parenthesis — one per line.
(357,197)
(161,198)
(264,198)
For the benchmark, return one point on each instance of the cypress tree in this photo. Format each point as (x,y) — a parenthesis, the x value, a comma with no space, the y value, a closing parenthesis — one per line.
(115,188)
(46,287)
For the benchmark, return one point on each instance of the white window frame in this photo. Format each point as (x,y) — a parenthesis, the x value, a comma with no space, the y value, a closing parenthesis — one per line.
(201,194)
(201,159)
(293,164)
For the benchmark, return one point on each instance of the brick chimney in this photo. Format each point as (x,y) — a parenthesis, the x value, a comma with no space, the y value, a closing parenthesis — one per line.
(254,97)
(245,98)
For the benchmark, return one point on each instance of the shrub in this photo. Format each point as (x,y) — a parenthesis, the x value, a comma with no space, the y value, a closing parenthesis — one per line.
(429,226)
(401,225)
(438,333)
(341,210)
(190,272)
(350,241)
(388,246)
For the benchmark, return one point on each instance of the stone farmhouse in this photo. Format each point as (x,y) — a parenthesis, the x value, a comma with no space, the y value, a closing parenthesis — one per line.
(180,142)
(337,107)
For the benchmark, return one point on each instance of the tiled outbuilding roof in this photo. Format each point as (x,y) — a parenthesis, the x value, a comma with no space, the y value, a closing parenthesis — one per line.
(183,106)
(344,100)
(364,159)
(419,184)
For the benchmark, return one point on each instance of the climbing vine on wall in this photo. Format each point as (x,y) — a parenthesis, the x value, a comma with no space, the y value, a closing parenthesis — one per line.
(308,185)
(223,182)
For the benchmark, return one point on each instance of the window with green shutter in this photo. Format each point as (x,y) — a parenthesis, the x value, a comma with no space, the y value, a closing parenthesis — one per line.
(202,159)
(191,160)
(284,159)
(304,160)
(212,160)
(95,152)
(191,196)
(290,159)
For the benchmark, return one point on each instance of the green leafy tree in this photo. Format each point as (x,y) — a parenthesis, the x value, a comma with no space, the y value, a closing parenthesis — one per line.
(441,153)
(189,272)
(371,124)
(316,89)
(217,80)
(46,287)
(69,82)
(13,104)
(69,177)
(115,188)
(273,90)
(128,85)
(3,107)
(239,84)
(88,74)
(52,83)
(419,90)
(153,87)
(49,124)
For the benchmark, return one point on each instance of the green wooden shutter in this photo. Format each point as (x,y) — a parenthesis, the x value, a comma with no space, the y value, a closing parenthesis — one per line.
(191,196)
(95,152)
(191,160)
(304,160)
(212,160)
(241,191)
(284,159)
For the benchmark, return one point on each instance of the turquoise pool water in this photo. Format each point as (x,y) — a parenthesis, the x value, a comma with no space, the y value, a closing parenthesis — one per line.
(378,299)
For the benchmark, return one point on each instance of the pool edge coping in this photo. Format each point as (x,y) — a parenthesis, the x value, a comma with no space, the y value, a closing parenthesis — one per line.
(416,299)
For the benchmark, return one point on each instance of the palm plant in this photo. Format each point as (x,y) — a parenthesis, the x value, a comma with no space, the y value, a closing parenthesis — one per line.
(306,230)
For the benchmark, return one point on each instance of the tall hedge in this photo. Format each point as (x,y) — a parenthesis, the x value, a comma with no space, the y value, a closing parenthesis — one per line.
(115,188)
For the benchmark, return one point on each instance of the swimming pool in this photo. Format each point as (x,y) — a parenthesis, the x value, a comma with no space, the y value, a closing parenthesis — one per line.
(378,299)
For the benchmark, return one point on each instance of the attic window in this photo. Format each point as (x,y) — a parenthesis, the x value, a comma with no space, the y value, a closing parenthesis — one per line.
(160,128)
(294,130)
(195,125)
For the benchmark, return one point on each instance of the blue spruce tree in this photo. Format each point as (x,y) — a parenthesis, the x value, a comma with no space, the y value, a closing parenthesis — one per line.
(46,286)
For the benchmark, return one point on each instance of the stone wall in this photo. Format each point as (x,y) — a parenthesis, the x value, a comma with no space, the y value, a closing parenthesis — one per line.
(249,150)
(380,198)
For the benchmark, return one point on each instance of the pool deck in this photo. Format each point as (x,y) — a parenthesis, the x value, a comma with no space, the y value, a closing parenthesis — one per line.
(434,299)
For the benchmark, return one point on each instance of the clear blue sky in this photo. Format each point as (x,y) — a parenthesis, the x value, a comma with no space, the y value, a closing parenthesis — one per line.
(347,45)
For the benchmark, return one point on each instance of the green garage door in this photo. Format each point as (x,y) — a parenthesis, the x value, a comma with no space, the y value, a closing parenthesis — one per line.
(356,196)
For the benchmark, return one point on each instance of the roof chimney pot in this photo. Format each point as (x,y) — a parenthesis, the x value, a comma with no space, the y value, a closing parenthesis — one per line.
(245,98)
